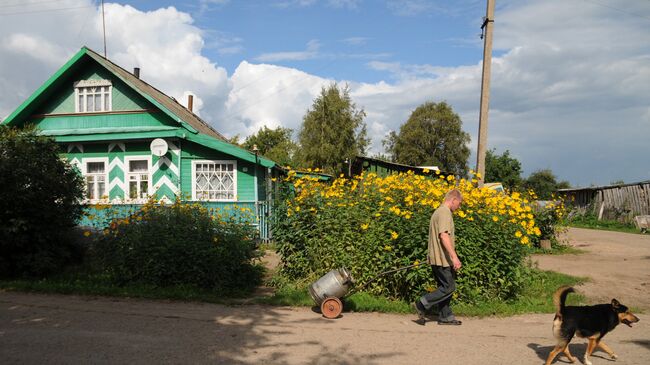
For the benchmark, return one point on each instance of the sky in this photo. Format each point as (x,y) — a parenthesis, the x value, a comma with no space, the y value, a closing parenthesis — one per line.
(570,85)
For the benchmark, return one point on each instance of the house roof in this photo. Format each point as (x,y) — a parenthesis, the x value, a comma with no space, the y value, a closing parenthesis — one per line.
(594,188)
(168,105)
(199,131)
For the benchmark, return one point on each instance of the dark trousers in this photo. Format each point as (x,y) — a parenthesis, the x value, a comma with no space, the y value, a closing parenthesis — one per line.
(446,279)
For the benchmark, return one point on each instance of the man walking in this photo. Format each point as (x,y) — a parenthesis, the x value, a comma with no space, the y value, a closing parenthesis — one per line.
(443,260)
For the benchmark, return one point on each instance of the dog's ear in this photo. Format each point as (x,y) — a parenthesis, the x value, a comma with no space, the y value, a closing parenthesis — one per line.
(615,303)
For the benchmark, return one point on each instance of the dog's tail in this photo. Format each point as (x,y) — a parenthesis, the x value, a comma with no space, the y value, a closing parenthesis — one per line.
(560,297)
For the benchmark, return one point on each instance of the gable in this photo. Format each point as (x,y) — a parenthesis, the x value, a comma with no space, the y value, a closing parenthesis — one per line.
(62,99)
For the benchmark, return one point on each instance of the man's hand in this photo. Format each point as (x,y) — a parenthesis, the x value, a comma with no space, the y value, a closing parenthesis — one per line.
(456,263)
(449,247)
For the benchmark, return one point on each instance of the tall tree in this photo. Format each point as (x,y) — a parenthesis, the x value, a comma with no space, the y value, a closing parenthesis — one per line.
(275,144)
(502,168)
(432,135)
(332,130)
(544,184)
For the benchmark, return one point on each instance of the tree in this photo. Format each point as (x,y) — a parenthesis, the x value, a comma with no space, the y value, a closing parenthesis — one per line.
(432,135)
(502,168)
(544,184)
(39,204)
(275,144)
(332,130)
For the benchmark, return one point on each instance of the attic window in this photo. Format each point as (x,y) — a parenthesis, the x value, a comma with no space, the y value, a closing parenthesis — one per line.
(92,96)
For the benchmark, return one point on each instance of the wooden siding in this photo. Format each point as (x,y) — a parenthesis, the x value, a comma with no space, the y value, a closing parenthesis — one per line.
(80,121)
(616,202)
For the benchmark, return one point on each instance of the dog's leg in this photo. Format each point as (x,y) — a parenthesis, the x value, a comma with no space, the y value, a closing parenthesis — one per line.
(568,353)
(555,351)
(608,350)
(590,348)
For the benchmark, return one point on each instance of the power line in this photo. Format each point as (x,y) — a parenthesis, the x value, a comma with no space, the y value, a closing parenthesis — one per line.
(46,10)
(617,9)
(28,4)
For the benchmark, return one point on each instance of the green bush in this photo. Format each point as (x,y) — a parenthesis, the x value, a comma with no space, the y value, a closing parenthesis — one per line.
(181,244)
(371,225)
(39,205)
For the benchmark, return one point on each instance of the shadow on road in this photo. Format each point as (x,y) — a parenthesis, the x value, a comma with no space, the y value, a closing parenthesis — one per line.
(642,343)
(74,329)
(577,350)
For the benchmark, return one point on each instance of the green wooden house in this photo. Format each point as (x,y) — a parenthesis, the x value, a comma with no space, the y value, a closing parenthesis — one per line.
(130,141)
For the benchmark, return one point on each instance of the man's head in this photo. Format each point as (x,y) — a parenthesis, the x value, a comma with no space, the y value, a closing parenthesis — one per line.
(453,199)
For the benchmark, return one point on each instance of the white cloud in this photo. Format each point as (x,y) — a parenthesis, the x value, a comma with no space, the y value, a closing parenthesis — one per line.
(569,89)
(268,95)
(163,43)
(310,52)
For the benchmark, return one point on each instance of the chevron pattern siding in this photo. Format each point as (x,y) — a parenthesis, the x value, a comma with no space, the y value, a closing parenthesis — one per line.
(166,173)
(117,186)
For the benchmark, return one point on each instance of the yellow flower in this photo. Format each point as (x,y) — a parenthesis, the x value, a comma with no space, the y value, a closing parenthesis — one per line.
(518,234)
(416,263)
(495,218)
(393,235)
(365,226)
(87,233)
(525,240)
(462,214)
(388,248)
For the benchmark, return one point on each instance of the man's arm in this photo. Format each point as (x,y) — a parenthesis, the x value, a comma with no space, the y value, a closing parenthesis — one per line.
(449,247)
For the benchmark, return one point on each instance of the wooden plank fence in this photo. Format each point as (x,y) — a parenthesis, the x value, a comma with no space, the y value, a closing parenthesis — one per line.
(613,202)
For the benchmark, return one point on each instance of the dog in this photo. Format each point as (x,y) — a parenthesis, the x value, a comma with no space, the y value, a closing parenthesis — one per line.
(592,322)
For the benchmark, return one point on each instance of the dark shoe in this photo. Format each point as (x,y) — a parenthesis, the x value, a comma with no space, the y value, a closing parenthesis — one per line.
(419,308)
(453,322)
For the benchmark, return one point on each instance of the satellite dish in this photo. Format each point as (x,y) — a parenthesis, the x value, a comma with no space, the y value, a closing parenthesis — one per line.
(158,147)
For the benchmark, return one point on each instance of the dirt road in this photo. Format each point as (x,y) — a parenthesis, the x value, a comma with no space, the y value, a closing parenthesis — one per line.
(56,329)
(617,264)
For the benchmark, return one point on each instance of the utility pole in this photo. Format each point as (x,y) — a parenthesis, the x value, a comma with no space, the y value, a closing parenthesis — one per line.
(486,34)
(104,27)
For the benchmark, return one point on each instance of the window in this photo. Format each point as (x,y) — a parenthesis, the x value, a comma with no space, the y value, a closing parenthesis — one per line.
(95,174)
(93,96)
(214,180)
(138,177)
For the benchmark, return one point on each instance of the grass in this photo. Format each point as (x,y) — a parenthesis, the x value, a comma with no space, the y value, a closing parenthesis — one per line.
(535,298)
(81,283)
(591,222)
(556,249)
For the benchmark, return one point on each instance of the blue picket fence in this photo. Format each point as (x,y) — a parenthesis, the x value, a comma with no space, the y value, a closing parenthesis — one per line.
(98,215)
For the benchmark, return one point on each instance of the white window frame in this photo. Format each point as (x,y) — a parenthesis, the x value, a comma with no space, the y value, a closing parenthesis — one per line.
(84,172)
(127,173)
(228,162)
(79,86)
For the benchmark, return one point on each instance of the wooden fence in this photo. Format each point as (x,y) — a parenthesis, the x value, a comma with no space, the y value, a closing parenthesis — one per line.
(613,202)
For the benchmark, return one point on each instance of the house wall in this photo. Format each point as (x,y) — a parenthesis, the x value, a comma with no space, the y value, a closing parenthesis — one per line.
(164,170)
(245,173)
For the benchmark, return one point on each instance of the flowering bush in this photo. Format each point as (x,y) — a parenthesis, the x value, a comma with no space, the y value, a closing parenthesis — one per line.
(371,224)
(548,218)
(180,244)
